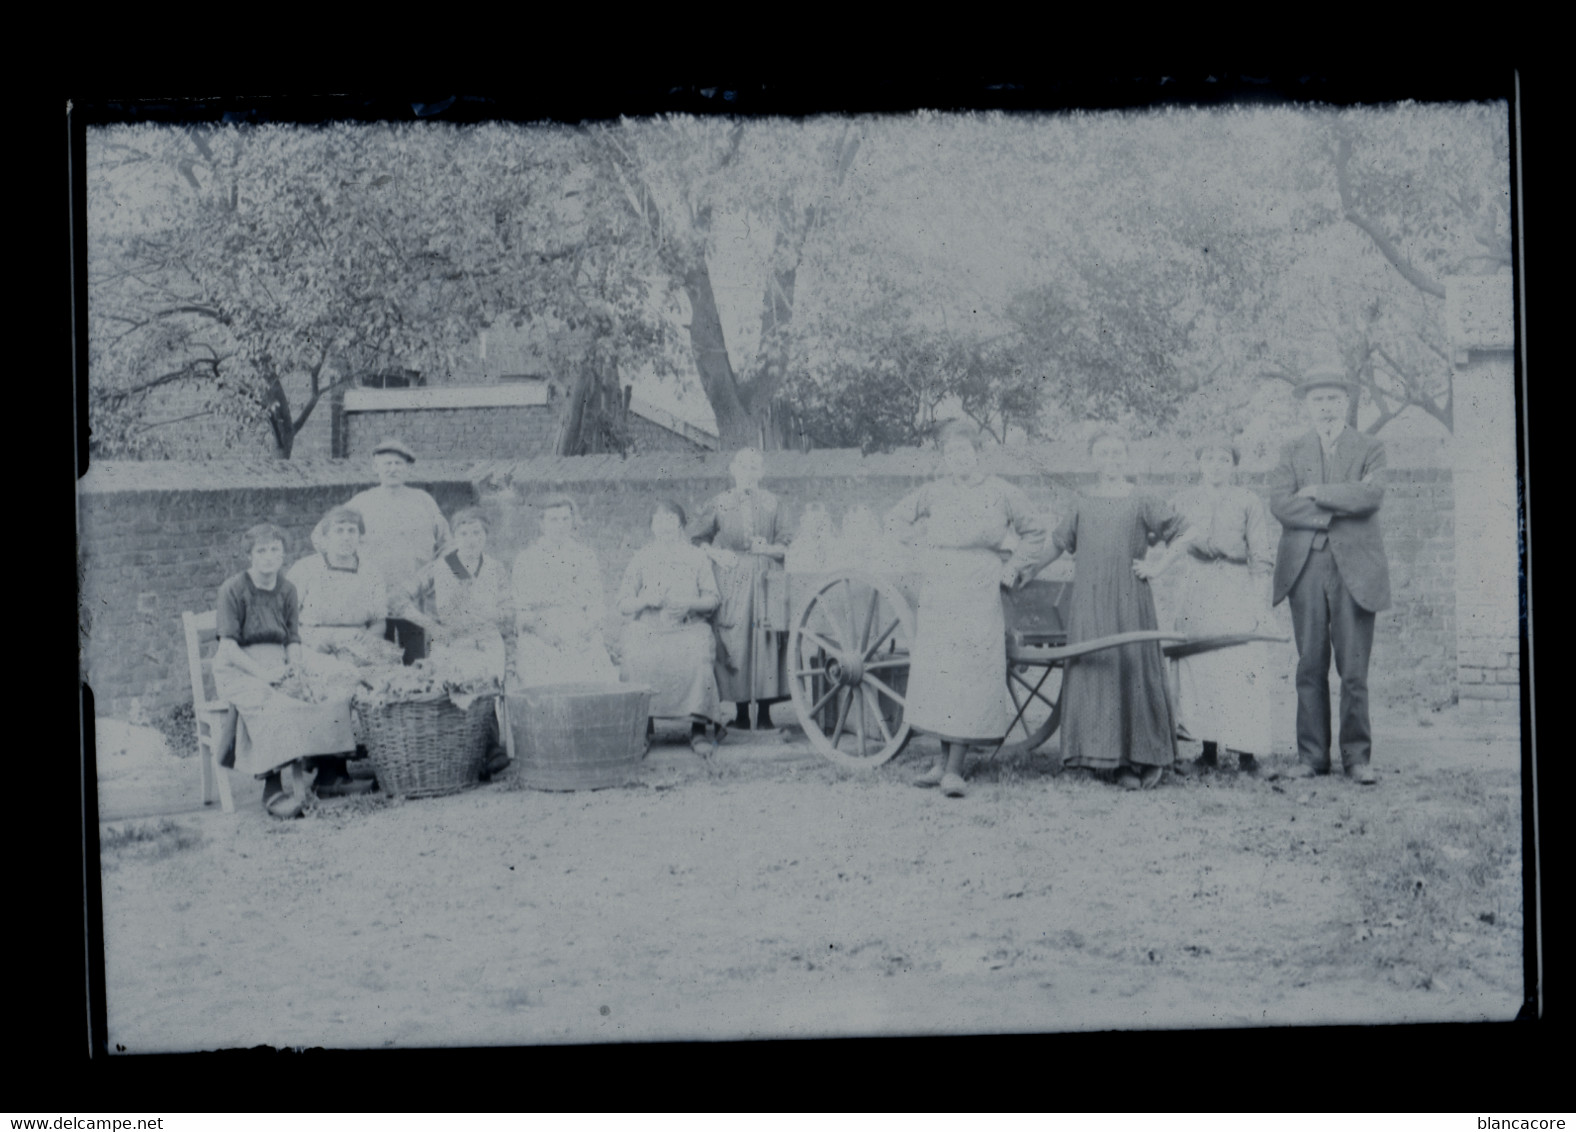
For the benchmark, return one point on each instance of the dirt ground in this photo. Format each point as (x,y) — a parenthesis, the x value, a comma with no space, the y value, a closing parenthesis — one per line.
(769,894)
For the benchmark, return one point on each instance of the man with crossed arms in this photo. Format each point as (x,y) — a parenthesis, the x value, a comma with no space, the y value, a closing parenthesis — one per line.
(1331,564)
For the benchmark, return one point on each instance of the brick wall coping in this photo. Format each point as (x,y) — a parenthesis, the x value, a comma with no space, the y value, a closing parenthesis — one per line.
(1169,461)
(447,397)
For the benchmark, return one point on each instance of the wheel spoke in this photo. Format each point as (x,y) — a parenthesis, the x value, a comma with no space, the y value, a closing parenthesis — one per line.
(880,686)
(821,703)
(881,640)
(827,618)
(842,717)
(820,641)
(895,662)
(847,600)
(875,708)
(870,620)
(800,673)
(864,724)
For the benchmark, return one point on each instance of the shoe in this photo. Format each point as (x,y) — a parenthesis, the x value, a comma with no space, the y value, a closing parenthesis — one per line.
(702,746)
(1363,775)
(1299,770)
(932,777)
(284,805)
(1246,763)
(952,786)
(1127,780)
(1210,757)
(498,762)
(1151,777)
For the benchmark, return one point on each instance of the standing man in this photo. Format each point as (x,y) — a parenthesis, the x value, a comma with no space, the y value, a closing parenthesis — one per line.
(1331,563)
(405,531)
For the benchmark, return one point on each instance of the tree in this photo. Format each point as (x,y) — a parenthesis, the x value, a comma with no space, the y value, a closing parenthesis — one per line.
(1411,194)
(338,251)
(678,175)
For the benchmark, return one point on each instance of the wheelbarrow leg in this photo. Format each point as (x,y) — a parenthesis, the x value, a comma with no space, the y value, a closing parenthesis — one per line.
(1045,674)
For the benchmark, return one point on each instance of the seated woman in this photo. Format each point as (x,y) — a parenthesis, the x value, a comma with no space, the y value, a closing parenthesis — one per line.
(558,605)
(283,719)
(668,590)
(467,593)
(343,604)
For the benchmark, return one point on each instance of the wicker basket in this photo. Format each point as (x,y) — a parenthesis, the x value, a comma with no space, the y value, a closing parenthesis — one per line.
(423,748)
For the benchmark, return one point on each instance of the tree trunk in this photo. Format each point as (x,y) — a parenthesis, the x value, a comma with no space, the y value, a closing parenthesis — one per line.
(570,440)
(280,422)
(735,425)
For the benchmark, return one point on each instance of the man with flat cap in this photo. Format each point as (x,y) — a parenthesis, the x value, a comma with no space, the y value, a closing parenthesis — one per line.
(1331,565)
(405,531)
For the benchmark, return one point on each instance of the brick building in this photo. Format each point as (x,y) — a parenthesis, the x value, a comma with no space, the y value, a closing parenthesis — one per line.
(508,420)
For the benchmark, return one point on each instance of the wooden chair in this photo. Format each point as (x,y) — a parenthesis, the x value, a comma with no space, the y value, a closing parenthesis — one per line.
(215,719)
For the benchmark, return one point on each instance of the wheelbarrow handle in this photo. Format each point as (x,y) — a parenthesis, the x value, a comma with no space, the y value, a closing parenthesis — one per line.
(1195,645)
(1099,644)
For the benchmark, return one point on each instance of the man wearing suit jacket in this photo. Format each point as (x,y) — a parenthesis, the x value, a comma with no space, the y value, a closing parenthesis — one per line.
(1331,564)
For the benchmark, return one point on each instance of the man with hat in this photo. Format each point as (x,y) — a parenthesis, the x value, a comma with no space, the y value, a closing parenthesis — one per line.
(1331,564)
(405,531)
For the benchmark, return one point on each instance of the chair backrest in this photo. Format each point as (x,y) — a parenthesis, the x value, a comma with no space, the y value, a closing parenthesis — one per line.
(200,628)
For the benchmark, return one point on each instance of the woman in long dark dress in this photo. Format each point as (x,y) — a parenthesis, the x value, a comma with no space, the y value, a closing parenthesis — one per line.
(744,538)
(1116,715)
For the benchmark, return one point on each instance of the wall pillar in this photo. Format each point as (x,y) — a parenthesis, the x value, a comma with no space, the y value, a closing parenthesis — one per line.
(1480,325)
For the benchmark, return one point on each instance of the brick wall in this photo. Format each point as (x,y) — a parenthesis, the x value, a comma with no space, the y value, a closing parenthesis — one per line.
(159,538)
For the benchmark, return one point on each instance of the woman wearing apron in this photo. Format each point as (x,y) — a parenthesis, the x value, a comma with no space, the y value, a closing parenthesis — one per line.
(257,668)
(467,592)
(1226,558)
(668,593)
(343,605)
(957,677)
(559,607)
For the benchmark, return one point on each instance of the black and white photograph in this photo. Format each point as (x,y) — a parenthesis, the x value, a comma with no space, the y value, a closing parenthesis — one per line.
(712,573)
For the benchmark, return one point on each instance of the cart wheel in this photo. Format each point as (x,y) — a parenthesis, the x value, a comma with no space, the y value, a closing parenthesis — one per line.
(848,662)
(1034,703)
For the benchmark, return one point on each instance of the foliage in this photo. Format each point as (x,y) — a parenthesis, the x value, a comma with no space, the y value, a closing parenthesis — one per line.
(852,279)
(147,840)
(332,252)
(178,725)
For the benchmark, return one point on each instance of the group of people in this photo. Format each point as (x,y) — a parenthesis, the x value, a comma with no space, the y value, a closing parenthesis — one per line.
(1121,716)
(391,580)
